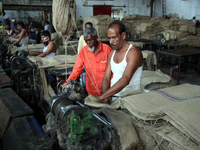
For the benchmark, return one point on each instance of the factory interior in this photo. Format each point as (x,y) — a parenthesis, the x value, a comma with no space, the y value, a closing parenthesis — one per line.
(99,74)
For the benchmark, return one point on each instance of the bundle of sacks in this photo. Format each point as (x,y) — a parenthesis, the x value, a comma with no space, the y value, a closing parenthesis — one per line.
(100,23)
(145,27)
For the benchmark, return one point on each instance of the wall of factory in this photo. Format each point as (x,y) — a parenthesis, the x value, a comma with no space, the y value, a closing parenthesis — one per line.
(141,7)
(183,8)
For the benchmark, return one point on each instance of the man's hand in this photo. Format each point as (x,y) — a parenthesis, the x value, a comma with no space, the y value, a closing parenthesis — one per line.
(107,101)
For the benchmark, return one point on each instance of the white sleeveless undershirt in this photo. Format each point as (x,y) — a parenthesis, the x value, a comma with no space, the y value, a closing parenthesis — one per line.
(9,32)
(50,54)
(118,70)
(24,41)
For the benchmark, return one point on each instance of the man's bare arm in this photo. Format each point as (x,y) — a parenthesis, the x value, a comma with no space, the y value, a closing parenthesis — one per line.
(15,36)
(21,35)
(134,60)
(48,51)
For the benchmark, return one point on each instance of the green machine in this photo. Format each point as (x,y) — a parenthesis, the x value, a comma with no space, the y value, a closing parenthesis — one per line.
(76,125)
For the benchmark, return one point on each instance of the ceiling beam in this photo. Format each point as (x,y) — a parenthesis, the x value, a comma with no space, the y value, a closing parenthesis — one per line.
(26,7)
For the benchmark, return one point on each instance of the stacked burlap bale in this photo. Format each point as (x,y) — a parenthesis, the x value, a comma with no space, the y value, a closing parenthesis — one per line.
(100,23)
(198,31)
(190,40)
(145,27)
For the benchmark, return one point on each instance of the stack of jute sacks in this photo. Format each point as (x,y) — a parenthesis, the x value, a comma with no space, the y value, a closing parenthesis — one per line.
(145,27)
(167,118)
(100,23)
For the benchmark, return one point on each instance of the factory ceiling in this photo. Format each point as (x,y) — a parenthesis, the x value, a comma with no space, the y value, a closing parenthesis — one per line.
(28,5)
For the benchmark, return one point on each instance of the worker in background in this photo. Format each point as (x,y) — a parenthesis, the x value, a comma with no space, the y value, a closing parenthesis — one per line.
(194,19)
(48,27)
(49,47)
(13,25)
(125,63)
(9,31)
(31,31)
(93,57)
(81,42)
(23,37)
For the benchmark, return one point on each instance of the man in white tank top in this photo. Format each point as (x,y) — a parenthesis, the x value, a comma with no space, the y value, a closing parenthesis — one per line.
(49,47)
(125,63)
(9,31)
(23,37)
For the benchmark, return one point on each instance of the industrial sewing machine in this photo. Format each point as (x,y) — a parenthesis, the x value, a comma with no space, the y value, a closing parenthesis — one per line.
(25,78)
(73,125)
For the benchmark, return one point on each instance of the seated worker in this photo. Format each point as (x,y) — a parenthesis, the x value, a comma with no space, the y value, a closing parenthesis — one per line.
(9,31)
(93,57)
(23,37)
(49,47)
(81,42)
(31,31)
(194,19)
(125,62)
(48,27)
(13,25)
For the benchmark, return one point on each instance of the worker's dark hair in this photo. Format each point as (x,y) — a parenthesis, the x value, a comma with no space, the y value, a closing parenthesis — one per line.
(194,17)
(89,23)
(45,33)
(21,24)
(121,26)
(47,22)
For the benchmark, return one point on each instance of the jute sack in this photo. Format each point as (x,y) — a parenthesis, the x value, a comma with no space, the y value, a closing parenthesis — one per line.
(32,48)
(153,80)
(100,23)
(150,58)
(54,61)
(178,105)
(190,40)
(12,40)
(156,134)
(128,137)
(143,27)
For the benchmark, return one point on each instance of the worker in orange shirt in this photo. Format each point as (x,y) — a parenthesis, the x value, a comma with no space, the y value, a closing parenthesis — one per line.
(93,57)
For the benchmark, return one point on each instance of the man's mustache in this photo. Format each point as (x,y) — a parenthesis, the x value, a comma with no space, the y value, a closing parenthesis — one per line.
(113,45)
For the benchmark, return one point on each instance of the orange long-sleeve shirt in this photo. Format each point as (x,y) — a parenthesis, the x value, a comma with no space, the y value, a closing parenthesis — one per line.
(95,66)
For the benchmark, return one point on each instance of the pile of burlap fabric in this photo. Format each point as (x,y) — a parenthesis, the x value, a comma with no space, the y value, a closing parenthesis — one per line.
(164,119)
(100,23)
(144,27)
(190,40)
(12,40)
(153,80)
(170,116)
(34,49)
(55,61)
